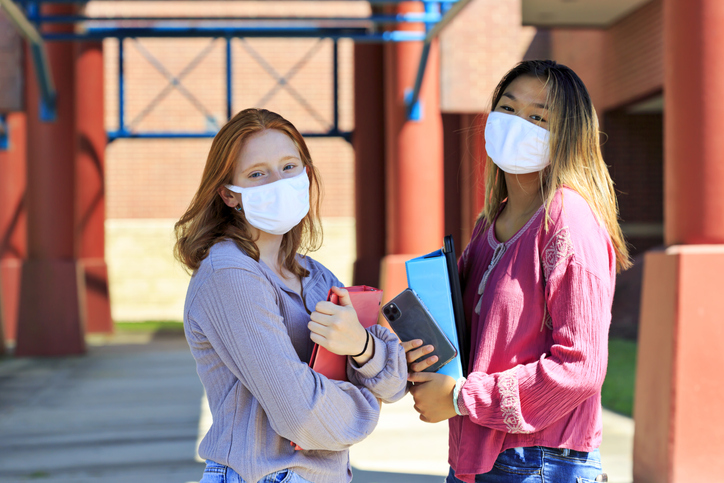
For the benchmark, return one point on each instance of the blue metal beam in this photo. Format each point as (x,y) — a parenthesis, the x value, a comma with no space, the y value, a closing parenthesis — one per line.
(4,135)
(373,2)
(121,87)
(356,34)
(229,81)
(414,111)
(412,17)
(437,14)
(335,86)
(48,93)
(123,134)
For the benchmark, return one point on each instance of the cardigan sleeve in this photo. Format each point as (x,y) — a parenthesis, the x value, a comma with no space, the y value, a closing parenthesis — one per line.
(385,374)
(246,329)
(529,397)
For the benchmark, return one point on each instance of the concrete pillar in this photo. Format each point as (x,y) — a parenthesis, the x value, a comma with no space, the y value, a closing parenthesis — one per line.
(369,152)
(414,161)
(89,184)
(13,229)
(679,386)
(51,315)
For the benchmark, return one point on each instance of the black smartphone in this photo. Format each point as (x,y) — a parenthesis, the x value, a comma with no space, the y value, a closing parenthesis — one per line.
(410,319)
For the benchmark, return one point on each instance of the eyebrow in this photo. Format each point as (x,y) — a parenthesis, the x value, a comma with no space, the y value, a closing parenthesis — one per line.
(536,104)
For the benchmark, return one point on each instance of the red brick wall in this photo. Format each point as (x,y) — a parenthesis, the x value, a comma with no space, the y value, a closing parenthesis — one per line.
(634,152)
(583,51)
(156,178)
(634,56)
(620,64)
(477,49)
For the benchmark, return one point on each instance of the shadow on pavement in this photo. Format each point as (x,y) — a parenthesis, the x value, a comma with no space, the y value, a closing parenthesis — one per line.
(361,476)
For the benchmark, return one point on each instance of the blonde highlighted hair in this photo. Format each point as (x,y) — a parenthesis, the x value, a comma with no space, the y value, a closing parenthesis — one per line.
(209,220)
(575,151)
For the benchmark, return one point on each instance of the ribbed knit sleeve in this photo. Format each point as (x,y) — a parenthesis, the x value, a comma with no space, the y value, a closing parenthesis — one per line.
(243,324)
(529,397)
(385,374)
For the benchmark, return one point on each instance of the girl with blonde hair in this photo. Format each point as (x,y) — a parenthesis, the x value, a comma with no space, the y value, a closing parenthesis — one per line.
(538,279)
(255,307)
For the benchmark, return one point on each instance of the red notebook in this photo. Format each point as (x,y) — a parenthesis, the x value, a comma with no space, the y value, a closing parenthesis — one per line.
(366,302)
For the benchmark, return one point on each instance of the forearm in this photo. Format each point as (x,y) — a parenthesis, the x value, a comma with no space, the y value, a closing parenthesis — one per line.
(385,374)
(324,414)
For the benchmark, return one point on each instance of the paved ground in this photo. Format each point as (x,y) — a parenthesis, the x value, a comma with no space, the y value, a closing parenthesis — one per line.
(132,411)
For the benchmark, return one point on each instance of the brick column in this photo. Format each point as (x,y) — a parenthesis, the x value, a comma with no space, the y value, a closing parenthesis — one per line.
(369,155)
(679,387)
(12,177)
(12,222)
(414,161)
(89,184)
(51,315)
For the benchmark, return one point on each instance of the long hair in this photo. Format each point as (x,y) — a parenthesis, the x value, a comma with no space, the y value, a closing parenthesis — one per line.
(575,151)
(208,219)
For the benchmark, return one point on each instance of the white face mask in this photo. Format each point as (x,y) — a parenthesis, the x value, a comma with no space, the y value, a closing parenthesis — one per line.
(515,145)
(276,207)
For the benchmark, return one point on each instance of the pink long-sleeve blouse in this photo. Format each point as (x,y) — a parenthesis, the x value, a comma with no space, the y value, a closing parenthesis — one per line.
(539,308)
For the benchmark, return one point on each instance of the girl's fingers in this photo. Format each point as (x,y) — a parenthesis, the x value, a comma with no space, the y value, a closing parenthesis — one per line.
(320,318)
(318,339)
(420,377)
(327,308)
(411,344)
(415,354)
(316,328)
(344,298)
(424,364)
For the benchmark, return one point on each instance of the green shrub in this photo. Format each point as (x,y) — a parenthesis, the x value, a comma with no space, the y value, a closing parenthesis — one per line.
(618,388)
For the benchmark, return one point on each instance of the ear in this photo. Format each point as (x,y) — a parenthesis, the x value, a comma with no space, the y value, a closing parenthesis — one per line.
(228,197)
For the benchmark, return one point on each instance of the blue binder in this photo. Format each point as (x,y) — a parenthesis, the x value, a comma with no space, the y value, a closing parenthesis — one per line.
(431,278)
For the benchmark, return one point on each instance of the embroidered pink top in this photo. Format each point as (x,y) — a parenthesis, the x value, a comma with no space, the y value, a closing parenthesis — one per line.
(539,306)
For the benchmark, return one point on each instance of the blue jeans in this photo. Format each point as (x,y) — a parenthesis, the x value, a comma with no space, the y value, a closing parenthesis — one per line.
(216,473)
(537,464)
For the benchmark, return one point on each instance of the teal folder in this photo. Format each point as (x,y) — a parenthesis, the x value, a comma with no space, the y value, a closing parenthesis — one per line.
(429,277)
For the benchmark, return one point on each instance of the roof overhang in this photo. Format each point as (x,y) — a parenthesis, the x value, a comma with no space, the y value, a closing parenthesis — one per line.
(577,13)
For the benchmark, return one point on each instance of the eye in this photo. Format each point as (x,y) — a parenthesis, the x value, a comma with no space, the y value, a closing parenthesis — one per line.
(537,118)
(255,174)
(507,108)
(289,167)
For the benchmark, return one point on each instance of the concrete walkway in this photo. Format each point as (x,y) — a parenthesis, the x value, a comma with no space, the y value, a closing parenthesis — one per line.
(132,411)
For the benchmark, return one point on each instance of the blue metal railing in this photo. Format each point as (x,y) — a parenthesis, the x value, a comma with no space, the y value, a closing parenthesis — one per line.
(374,28)
(4,135)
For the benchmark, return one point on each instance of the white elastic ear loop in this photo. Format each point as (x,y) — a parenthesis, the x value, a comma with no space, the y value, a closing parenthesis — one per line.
(234,188)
